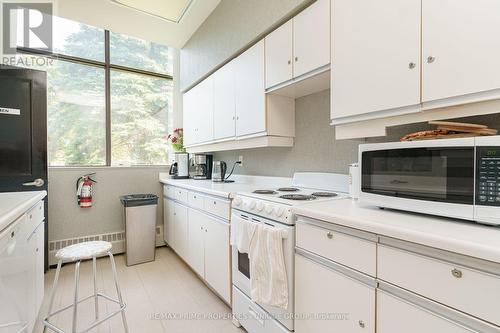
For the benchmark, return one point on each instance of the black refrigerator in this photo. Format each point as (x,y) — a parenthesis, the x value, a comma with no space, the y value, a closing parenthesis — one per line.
(23,134)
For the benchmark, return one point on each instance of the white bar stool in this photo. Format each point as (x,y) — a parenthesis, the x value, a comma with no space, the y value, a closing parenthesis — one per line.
(79,252)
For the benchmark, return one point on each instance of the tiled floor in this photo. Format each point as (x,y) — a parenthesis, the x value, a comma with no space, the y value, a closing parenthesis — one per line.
(161,296)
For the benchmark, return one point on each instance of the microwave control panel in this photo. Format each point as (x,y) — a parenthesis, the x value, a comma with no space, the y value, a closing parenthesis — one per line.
(488,176)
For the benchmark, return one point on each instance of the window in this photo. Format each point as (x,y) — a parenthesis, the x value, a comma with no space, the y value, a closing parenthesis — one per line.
(139,105)
(109,97)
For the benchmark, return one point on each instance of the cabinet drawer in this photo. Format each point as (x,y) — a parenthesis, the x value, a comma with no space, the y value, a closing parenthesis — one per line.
(464,289)
(169,191)
(36,215)
(393,314)
(217,207)
(252,317)
(181,195)
(345,249)
(195,200)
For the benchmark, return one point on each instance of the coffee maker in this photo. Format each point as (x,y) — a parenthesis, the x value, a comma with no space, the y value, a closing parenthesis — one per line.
(180,168)
(203,166)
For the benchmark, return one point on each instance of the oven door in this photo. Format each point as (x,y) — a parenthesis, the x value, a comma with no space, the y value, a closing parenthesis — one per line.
(418,176)
(241,267)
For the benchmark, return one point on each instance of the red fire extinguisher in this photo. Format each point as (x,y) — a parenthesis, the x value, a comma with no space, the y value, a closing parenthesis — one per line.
(84,190)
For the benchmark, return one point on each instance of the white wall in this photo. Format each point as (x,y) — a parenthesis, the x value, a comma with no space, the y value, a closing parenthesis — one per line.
(68,220)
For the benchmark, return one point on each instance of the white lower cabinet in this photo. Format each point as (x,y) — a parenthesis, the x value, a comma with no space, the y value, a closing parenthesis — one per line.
(217,257)
(196,258)
(395,315)
(168,222)
(209,251)
(330,300)
(199,234)
(181,235)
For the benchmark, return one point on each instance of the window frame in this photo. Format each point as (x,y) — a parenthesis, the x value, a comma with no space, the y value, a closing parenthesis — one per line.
(108,67)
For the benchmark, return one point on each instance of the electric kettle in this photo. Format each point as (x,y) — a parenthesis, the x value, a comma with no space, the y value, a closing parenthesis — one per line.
(219,171)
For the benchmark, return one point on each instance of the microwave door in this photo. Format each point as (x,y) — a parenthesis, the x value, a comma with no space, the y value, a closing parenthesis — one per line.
(431,174)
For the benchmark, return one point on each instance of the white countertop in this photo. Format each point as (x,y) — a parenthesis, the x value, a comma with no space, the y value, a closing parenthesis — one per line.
(14,204)
(226,190)
(452,235)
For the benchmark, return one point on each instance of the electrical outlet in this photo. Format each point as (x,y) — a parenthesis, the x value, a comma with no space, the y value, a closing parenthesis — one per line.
(240,159)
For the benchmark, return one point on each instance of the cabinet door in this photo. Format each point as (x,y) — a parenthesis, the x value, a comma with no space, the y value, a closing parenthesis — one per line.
(196,256)
(168,222)
(250,96)
(189,116)
(217,263)
(462,39)
(39,267)
(181,230)
(224,107)
(320,290)
(279,54)
(375,56)
(311,38)
(396,316)
(205,111)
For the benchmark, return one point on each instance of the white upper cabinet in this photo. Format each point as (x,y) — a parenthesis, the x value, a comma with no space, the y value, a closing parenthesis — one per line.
(189,116)
(224,104)
(205,120)
(279,55)
(375,56)
(461,47)
(250,96)
(198,113)
(311,38)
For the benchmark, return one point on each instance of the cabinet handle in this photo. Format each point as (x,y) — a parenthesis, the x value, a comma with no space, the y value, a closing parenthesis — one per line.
(201,228)
(31,216)
(329,235)
(296,59)
(36,250)
(430,59)
(289,62)
(456,273)
(234,117)
(412,65)
(215,202)
(361,324)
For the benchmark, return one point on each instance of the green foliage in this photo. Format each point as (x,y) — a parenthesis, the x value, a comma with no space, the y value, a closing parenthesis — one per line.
(140,104)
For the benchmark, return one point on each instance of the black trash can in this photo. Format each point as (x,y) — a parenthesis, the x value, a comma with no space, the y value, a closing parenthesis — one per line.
(139,216)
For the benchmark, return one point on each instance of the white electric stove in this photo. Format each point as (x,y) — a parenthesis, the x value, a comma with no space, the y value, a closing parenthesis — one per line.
(272,206)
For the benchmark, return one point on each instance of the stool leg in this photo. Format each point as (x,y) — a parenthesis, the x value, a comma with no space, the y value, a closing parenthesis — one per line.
(53,291)
(75,300)
(96,298)
(115,276)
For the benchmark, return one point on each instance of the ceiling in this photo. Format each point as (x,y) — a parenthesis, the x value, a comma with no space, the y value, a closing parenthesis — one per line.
(169,22)
(170,10)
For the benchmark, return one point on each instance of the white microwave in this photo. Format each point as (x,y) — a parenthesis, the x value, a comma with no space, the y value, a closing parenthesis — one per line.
(456,178)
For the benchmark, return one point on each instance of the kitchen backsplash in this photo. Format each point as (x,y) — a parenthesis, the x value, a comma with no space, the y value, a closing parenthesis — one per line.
(315,146)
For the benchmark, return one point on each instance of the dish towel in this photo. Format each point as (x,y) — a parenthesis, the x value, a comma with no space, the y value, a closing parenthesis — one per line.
(242,233)
(268,280)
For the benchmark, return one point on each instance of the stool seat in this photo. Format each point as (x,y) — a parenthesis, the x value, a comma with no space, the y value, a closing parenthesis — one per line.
(82,251)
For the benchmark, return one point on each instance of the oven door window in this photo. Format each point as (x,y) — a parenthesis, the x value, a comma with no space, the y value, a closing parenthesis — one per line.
(244,264)
(432,174)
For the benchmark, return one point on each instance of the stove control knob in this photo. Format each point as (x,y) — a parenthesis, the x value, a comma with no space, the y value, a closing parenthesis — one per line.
(280,211)
(260,206)
(269,209)
(237,201)
(252,205)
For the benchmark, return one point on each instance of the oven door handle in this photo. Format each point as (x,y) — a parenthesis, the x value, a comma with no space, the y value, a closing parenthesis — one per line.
(255,316)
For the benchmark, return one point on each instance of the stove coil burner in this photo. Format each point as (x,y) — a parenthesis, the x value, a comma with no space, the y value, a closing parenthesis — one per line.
(288,189)
(324,194)
(297,197)
(265,192)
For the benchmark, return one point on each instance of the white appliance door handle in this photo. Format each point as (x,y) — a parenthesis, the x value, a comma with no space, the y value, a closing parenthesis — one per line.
(39,182)
(255,316)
